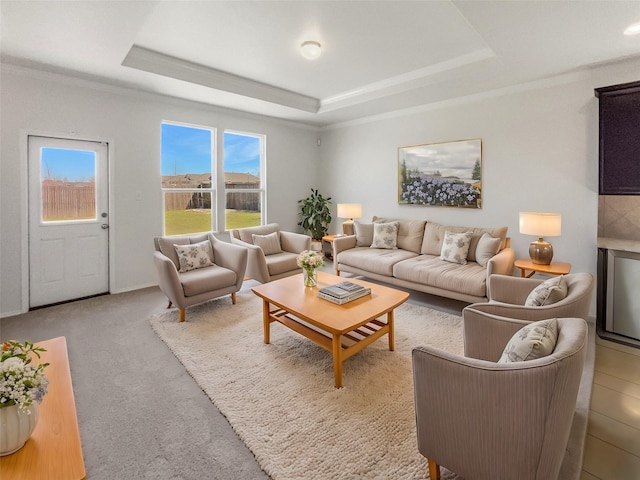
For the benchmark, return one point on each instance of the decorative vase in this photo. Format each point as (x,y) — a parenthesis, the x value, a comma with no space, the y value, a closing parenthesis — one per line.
(310,277)
(16,426)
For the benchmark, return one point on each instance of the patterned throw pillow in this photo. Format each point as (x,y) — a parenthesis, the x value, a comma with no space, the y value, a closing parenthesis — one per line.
(536,340)
(270,244)
(385,235)
(455,247)
(196,255)
(548,292)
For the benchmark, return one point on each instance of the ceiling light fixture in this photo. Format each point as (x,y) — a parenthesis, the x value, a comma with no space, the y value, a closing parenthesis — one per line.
(633,29)
(310,50)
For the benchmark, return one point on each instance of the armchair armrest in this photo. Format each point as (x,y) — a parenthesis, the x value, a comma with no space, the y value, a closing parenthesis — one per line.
(256,263)
(294,242)
(486,335)
(233,257)
(461,400)
(168,279)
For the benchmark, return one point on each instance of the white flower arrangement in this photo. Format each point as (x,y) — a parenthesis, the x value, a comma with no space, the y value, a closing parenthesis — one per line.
(310,260)
(21,382)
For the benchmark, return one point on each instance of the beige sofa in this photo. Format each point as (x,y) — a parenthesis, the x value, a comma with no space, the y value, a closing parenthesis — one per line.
(416,263)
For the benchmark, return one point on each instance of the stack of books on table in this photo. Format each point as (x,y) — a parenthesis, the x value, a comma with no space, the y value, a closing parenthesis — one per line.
(343,292)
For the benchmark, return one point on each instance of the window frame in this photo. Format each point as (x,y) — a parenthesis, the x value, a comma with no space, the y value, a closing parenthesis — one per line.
(212,190)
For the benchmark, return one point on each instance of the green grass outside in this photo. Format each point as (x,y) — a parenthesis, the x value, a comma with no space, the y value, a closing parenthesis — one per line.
(190,221)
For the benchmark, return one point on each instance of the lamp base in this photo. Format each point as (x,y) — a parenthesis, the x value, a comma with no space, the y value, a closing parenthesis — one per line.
(541,252)
(348,227)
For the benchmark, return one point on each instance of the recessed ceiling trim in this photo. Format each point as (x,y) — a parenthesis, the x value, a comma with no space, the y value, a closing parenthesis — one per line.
(405,81)
(151,61)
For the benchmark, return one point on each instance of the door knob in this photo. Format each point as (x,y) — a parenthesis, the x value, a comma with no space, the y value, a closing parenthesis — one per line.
(104,226)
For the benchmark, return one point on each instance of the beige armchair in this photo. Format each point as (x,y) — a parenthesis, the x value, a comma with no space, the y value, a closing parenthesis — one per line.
(276,258)
(507,296)
(485,420)
(201,284)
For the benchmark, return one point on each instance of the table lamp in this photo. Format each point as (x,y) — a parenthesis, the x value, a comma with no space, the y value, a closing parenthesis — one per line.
(349,211)
(541,225)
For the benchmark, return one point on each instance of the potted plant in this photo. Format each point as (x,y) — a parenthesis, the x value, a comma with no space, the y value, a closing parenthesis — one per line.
(315,215)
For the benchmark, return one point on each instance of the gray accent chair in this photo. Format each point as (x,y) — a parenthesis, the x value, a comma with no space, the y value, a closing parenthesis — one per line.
(197,286)
(507,296)
(266,268)
(489,421)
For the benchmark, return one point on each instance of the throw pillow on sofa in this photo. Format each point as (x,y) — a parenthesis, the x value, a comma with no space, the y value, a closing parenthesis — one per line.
(455,247)
(548,292)
(536,340)
(193,256)
(364,234)
(487,247)
(385,235)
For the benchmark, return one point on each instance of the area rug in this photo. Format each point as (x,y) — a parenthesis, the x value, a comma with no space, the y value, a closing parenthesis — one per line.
(281,400)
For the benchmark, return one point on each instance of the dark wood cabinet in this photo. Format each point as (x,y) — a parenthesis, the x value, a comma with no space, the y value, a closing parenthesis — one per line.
(619,118)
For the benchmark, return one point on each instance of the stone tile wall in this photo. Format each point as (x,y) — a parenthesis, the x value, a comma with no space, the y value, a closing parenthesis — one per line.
(619,216)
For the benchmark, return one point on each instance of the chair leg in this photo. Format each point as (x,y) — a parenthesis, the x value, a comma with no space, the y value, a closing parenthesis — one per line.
(233,298)
(182,314)
(434,470)
(169,306)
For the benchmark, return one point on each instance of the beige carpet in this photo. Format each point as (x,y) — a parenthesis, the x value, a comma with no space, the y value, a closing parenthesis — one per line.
(280,398)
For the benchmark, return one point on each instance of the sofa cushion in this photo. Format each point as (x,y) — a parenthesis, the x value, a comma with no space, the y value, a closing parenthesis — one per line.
(281,263)
(434,236)
(269,244)
(455,247)
(487,248)
(246,234)
(385,235)
(410,233)
(548,292)
(536,340)
(364,234)
(208,279)
(430,270)
(194,256)
(375,260)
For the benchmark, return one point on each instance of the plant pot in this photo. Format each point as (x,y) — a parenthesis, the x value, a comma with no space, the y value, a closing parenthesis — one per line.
(316,245)
(16,426)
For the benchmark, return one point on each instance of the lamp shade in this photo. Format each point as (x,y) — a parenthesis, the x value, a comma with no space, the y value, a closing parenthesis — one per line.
(349,210)
(541,224)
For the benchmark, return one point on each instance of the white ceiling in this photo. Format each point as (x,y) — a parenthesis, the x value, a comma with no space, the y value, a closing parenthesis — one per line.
(377,56)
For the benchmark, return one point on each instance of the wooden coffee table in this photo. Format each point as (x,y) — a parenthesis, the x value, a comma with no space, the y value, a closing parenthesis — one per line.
(343,330)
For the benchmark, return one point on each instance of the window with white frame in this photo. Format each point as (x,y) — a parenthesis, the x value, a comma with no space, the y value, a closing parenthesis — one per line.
(188,163)
(244,179)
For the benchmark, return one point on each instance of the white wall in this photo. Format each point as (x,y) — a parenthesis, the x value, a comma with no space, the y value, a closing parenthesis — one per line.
(36,102)
(540,153)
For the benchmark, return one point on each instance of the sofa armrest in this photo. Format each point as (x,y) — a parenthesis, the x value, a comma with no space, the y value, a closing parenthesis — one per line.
(501,263)
(294,242)
(232,257)
(256,263)
(340,244)
(486,335)
(168,279)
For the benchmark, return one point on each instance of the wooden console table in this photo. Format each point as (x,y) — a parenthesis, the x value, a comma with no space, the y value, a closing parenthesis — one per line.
(54,449)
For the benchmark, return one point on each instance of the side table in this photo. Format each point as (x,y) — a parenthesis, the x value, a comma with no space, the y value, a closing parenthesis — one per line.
(328,239)
(556,268)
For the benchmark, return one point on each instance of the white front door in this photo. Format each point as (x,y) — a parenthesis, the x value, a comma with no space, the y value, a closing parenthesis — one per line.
(68,220)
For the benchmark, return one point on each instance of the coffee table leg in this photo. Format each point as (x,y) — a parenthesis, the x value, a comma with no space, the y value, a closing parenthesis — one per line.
(390,333)
(266,321)
(337,360)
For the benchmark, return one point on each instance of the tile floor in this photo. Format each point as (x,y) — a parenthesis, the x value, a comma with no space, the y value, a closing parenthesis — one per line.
(612,447)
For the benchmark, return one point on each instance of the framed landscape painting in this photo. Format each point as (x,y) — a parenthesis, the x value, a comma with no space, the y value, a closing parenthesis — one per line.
(441,174)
